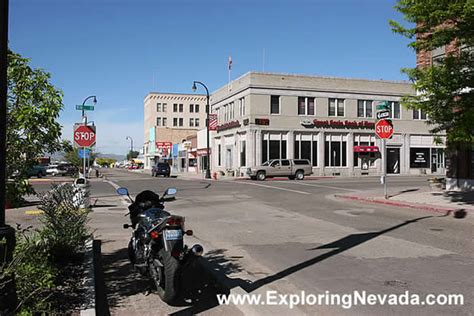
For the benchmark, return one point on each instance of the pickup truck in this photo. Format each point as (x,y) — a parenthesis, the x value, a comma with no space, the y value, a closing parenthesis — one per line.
(291,168)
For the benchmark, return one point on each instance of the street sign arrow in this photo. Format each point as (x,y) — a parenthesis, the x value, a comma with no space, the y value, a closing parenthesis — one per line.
(383,114)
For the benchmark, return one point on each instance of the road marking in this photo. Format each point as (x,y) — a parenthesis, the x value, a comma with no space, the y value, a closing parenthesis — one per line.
(272,187)
(34,212)
(322,186)
(124,200)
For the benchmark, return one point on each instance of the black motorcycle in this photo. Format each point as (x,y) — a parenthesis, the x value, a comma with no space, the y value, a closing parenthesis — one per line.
(157,248)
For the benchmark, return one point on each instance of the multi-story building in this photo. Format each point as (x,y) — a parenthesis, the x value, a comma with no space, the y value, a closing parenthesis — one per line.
(328,121)
(168,119)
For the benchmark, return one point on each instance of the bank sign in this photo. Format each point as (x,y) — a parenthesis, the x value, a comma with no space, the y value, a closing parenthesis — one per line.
(338,124)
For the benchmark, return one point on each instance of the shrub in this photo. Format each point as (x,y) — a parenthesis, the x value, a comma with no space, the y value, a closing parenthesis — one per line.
(65,222)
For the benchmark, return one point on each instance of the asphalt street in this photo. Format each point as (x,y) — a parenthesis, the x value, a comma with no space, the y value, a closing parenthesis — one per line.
(291,236)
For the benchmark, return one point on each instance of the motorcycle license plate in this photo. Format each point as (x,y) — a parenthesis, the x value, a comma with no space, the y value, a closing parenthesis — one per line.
(175,234)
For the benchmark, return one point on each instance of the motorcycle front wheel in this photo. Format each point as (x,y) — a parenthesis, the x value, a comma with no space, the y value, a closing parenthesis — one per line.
(166,277)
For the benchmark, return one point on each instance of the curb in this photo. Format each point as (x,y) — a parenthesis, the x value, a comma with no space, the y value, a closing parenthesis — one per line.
(89,281)
(396,204)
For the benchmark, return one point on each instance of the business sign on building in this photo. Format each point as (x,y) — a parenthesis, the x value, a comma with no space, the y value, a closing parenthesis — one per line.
(338,124)
(164,147)
(419,157)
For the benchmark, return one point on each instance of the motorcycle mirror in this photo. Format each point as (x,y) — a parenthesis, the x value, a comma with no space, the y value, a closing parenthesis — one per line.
(122,191)
(170,191)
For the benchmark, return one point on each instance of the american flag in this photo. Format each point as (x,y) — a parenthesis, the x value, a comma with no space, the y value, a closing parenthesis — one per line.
(212,122)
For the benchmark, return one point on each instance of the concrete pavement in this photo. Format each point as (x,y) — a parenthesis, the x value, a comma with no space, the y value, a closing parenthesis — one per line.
(291,236)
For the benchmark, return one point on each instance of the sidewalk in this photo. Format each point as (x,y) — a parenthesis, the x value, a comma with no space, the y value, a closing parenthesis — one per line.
(438,201)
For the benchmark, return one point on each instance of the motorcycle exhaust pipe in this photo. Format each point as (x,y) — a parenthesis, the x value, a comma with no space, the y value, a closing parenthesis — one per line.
(197,250)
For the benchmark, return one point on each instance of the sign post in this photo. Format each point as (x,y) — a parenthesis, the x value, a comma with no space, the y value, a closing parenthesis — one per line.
(384,130)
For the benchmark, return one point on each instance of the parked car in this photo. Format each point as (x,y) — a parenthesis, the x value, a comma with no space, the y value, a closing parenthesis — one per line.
(69,169)
(291,168)
(38,171)
(55,170)
(161,168)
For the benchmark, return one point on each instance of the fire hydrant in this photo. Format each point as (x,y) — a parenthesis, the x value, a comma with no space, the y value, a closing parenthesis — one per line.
(214,175)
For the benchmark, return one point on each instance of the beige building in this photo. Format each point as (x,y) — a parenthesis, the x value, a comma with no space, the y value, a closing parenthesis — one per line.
(328,121)
(168,119)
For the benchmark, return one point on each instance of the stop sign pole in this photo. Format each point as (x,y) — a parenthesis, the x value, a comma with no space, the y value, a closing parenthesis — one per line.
(384,130)
(83,108)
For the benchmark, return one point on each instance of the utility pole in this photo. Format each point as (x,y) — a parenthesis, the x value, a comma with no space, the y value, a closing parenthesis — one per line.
(8,298)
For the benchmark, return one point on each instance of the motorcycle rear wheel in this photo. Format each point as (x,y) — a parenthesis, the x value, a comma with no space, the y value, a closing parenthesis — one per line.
(166,278)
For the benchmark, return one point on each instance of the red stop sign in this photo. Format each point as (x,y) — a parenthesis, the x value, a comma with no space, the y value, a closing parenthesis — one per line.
(84,136)
(384,129)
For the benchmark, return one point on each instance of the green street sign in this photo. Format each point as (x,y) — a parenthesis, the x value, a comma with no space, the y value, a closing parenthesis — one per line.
(383,106)
(85,107)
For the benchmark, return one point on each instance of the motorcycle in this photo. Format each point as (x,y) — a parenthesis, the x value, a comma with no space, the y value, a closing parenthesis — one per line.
(156,248)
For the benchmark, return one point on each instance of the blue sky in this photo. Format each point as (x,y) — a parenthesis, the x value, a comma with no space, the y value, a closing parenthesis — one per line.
(121,50)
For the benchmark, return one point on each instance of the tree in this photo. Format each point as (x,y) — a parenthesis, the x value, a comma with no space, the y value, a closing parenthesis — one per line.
(33,106)
(132,155)
(105,161)
(445,88)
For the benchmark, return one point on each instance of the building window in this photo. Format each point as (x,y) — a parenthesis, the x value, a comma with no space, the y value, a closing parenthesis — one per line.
(242,110)
(275,104)
(181,121)
(335,151)
(191,122)
(196,108)
(158,107)
(175,107)
(158,121)
(231,110)
(364,108)
(364,140)
(164,121)
(336,107)
(181,108)
(394,109)
(273,147)
(163,107)
(219,158)
(306,148)
(305,106)
(242,153)
(196,122)
(419,114)
(175,121)
(191,108)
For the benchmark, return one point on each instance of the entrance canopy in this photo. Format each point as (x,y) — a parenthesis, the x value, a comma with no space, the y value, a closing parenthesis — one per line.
(366,149)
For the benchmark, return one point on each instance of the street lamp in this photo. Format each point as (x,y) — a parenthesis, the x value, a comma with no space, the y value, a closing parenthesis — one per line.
(208,170)
(131,142)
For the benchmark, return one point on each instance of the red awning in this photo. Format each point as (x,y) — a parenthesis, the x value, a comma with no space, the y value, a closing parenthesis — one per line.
(366,149)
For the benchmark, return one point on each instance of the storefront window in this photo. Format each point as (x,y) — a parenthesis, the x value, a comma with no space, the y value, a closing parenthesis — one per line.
(306,148)
(364,140)
(335,151)
(242,153)
(273,147)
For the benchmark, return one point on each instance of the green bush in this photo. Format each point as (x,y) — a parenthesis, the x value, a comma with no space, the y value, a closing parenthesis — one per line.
(65,222)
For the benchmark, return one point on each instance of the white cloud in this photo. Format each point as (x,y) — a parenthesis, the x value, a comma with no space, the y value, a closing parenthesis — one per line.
(111,135)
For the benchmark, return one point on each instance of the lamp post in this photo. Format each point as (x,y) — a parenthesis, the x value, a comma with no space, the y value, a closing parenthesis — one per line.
(84,117)
(131,145)
(8,301)
(208,170)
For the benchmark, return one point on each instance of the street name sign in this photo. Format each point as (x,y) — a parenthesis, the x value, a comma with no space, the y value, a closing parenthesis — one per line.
(383,114)
(383,106)
(384,129)
(85,107)
(84,135)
